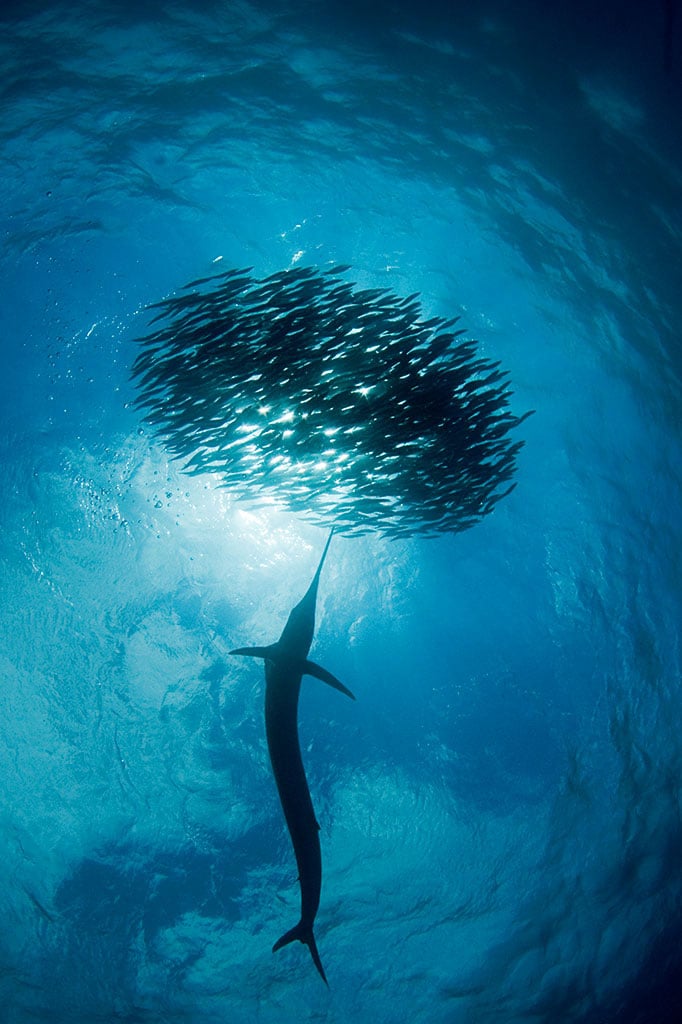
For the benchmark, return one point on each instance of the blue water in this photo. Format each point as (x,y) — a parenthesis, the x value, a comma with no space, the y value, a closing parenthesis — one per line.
(501,813)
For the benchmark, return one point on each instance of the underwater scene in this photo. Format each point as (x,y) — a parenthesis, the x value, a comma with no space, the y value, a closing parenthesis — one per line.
(340,491)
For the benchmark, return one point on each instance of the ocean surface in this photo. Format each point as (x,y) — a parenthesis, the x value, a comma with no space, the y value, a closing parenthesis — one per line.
(501,809)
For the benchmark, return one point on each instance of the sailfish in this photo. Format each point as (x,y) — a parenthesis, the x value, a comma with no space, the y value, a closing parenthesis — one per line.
(286,662)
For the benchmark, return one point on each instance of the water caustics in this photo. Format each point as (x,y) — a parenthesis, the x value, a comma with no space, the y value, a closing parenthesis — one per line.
(500,810)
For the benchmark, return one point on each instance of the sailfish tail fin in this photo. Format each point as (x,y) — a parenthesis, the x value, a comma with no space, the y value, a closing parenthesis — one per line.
(305,935)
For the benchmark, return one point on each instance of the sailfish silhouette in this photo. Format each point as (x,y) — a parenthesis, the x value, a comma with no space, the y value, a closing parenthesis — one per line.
(286,662)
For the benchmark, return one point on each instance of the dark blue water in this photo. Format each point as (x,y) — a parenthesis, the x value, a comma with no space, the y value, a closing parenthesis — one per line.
(501,815)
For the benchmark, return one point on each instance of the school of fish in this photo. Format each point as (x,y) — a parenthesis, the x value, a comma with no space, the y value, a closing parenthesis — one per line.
(341,404)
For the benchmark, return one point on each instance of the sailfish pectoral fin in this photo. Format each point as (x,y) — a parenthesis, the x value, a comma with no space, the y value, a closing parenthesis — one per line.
(302,665)
(257,652)
(311,669)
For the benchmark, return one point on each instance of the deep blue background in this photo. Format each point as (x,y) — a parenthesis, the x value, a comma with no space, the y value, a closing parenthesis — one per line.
(501,809)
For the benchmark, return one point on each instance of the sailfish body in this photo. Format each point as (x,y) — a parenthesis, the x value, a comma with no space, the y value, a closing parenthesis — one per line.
(286,662)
